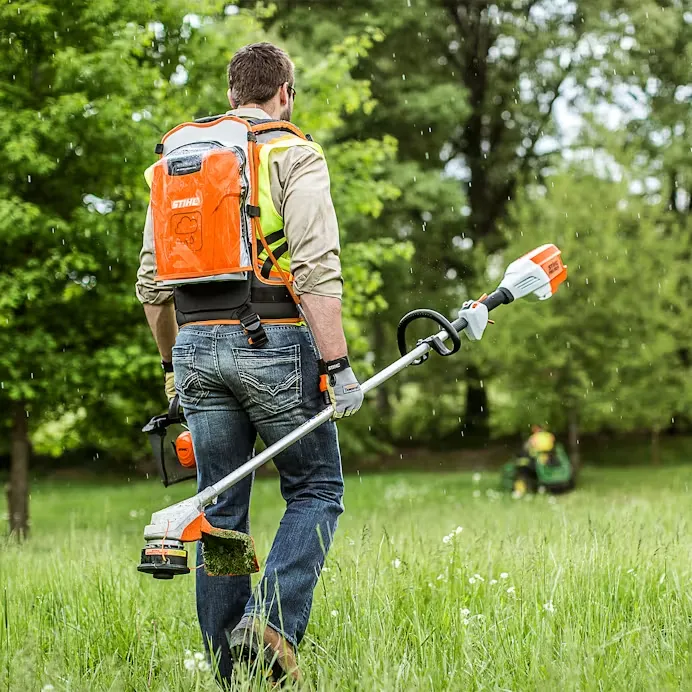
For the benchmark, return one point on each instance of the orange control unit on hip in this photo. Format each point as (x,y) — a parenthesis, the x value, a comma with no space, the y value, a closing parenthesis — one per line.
(184,450)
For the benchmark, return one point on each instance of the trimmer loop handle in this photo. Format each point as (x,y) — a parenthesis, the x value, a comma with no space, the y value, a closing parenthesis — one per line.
(435,342)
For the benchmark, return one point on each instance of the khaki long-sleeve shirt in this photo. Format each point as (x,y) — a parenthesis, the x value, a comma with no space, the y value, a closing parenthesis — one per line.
(299,181)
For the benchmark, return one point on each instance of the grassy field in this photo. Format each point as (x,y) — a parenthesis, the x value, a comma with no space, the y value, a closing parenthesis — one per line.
(591,591)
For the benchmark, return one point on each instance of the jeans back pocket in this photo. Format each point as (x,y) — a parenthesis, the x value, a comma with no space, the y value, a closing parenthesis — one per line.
(271,376)
(187,382)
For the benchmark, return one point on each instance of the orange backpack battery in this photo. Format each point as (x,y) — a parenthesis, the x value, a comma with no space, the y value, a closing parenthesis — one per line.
(200,191)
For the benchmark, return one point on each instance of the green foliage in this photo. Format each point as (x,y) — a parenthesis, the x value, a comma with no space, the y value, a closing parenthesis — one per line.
(73,153)
(438,123)
(471,93)
(601,349)
(79,120)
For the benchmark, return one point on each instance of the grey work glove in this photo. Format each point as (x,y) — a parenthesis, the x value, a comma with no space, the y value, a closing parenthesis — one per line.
(341,384)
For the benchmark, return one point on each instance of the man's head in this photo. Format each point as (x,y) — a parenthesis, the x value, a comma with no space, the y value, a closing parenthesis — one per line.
(262,75)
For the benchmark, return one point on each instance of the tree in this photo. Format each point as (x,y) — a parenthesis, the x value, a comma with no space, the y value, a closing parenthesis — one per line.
(70,147)
(600,354)
(85,93)
(469,90)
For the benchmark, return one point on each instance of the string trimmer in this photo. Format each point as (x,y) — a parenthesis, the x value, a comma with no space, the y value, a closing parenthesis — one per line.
(540,272)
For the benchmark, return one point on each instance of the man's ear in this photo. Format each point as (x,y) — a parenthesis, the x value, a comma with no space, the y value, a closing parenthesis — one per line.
(229,93)
(283,94)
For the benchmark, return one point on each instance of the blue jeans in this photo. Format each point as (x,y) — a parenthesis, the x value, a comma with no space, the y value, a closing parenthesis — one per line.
(230,393)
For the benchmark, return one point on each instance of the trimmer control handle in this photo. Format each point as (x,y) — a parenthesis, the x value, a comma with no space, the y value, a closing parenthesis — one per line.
(500,296)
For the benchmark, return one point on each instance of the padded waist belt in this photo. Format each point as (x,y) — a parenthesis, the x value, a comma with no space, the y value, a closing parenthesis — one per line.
(211,302)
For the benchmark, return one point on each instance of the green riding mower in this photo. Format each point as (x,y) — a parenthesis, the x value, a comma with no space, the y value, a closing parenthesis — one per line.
(542,466)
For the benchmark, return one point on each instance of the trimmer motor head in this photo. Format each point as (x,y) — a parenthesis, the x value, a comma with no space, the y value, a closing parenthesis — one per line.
(164,559)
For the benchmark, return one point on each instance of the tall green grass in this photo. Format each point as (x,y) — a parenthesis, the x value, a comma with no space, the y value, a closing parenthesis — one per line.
(591,591)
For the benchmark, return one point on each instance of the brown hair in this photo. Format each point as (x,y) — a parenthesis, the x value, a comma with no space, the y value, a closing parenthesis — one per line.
(257,71)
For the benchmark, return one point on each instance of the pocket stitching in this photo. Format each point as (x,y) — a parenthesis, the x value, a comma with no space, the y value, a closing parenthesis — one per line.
(294,380)
(185,355)
(286,384)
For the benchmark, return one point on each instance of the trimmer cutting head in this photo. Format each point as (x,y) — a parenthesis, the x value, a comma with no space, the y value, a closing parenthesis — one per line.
(225,552)
(164,559)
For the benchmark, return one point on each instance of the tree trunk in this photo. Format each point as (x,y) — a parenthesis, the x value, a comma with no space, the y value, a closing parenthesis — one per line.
(18,488)
(476,412)
(573,435)
(656,447)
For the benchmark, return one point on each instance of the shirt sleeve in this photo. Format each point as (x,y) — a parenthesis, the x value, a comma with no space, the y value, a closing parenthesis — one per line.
(146,288)
(301,193)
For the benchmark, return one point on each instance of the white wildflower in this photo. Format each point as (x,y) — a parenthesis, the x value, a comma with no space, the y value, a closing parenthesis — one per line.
(630,571)
(493,582)
(440,577)
(188,653)
(133,514)
(458,530)
(478,577)
(334,613)
(476,477)
(472,580)
(47,688)
(516,495)
(476,493)
(466,621)
(203,666)
(549,607)
(199,656)
(446,539)
(504,575)
(465,612)
(396,563)
(189,664)
(511,589)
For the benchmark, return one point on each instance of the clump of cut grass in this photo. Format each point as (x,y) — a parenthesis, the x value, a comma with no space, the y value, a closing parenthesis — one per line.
(228,553)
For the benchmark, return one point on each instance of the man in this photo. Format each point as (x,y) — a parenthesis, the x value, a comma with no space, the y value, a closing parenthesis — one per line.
(540,444)
(232,391)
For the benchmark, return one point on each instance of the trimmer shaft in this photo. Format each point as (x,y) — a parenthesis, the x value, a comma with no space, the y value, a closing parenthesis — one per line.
(164,559)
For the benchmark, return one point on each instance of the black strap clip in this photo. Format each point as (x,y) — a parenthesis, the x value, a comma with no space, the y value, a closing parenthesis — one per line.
(252,211)
(252,326)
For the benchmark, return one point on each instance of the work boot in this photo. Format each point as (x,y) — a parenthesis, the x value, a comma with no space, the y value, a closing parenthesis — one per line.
(249,640)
